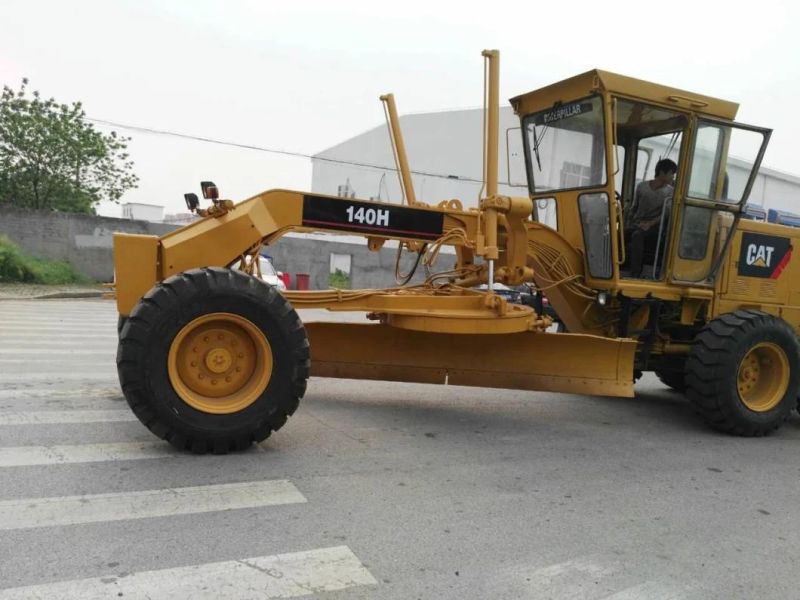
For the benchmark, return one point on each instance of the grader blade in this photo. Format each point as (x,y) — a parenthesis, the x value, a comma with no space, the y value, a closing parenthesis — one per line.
(574,363)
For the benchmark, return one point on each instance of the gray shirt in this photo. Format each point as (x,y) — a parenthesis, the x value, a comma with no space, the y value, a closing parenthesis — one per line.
(648,203)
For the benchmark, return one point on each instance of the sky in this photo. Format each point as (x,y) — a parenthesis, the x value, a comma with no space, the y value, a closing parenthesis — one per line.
(304,76)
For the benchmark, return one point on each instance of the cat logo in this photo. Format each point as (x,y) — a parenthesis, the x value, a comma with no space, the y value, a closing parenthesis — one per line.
(764,255)
(759,256)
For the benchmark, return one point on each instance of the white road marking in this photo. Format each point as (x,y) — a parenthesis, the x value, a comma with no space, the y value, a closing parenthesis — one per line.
(576,579)
(26,456)
(650,590)
(579,566)
(72,510)
(264,577)
(49,417)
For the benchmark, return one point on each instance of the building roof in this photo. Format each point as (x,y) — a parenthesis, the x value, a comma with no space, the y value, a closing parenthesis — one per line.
(142,204)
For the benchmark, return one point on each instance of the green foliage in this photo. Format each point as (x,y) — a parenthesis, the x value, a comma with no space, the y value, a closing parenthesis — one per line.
(52,158)
(17,267)
(13,265)
(339,280)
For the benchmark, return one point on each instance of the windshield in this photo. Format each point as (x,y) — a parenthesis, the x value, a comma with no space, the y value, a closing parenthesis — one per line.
(565,146)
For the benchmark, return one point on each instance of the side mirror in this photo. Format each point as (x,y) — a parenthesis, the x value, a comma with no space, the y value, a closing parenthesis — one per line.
(192,202)
(210,190)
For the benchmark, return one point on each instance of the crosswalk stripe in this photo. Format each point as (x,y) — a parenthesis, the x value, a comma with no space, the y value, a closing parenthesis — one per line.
(27,456)
(59,325)
(265,577)
(105,341)
(50,417)
(89,326)
(46,392)
(72,510)
(47,317)
(7,354)
(63,362)
(109,372)
(22,339)
(76,327)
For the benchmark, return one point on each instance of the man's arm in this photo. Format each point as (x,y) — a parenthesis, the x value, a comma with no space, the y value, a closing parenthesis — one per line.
(633,206)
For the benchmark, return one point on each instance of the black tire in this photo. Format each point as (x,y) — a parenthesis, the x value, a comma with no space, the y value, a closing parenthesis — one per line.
(713,366)
(144,346)
(673,379)
(120,324)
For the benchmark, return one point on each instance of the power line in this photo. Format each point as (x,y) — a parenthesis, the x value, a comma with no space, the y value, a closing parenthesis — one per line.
(200,138)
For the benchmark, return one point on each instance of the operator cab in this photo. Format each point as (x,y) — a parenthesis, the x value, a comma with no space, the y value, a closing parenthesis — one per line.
(591,140)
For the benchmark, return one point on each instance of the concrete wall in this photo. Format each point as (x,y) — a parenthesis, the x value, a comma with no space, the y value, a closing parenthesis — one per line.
(82,240)
(368,269)
(85,241)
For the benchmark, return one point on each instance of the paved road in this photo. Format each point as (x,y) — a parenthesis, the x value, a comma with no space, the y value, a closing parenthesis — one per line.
(378,490)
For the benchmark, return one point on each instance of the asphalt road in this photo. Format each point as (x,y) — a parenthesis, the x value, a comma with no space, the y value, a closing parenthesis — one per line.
(378,490)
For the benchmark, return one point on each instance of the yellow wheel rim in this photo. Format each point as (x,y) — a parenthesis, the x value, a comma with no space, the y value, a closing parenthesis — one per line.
(763,377)
(220,363)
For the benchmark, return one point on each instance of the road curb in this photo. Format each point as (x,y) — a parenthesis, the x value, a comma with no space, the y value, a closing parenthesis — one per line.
(88,294)
(56,295)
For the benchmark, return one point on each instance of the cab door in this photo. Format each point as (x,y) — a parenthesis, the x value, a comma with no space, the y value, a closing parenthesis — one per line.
(724,159)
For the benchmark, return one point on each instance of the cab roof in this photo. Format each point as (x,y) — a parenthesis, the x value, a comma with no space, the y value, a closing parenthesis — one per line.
(595,81)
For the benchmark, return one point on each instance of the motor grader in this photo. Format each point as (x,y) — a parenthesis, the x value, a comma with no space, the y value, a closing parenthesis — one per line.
(211,358)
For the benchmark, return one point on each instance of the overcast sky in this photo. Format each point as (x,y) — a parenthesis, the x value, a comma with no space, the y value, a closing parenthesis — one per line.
(303,76)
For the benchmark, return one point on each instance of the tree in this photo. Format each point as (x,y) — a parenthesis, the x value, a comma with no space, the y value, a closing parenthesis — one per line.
(52,158)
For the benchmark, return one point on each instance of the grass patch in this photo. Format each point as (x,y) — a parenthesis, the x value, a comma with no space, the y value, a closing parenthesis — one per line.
(339,280)
(16,267)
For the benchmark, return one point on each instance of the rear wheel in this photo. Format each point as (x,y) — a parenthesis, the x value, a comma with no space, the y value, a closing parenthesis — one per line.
(742,372)
(213,360)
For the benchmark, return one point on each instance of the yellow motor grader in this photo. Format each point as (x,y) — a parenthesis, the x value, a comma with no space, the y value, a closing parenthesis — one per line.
(211,358)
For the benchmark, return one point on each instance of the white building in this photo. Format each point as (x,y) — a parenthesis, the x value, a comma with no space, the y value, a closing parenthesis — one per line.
(183,218)
(445,153)
(138,211)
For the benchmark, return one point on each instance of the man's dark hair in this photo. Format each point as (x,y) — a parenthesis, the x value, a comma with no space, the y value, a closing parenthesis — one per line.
(666,165)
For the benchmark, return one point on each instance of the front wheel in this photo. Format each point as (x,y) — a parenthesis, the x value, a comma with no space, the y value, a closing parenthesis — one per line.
(213,360)
(742,372)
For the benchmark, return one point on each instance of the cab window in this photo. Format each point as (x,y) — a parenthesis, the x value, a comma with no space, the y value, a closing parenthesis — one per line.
(565,146)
